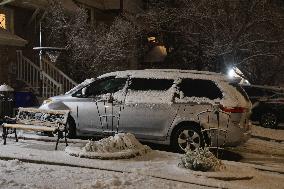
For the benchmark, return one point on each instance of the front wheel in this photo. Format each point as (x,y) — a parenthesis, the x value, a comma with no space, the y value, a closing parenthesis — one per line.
(187,137)
(268,120)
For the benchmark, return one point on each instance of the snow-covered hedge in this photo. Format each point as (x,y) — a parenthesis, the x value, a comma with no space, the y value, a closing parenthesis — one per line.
(119,146)
(201,159)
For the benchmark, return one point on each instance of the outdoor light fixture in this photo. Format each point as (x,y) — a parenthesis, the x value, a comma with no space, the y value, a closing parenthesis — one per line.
(231,73)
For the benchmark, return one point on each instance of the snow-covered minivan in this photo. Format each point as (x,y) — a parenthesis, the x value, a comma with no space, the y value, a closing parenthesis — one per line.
(182,108)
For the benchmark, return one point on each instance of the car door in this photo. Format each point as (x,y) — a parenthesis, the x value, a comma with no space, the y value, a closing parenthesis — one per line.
(93,104)
(148,111)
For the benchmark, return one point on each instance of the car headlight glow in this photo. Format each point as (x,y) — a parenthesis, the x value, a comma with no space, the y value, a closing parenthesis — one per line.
(47,101)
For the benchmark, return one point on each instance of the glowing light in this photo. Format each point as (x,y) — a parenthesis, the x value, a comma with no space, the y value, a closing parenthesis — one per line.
(3,21)
(232,73)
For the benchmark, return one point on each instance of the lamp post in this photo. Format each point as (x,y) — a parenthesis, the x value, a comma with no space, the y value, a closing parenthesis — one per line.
(53,53)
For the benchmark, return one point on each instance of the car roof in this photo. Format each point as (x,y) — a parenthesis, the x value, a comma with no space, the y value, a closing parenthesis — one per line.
(168,74)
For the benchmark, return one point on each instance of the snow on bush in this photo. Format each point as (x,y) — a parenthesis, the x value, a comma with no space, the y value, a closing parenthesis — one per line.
(119,146)
(201,159)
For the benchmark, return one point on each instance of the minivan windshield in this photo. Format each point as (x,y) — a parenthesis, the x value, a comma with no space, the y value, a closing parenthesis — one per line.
(80,86)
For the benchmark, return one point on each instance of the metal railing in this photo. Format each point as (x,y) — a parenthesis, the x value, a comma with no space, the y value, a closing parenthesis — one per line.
(28,72)
(46,81)
(57,75)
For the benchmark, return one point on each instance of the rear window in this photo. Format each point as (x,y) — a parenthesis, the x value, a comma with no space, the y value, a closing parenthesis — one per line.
(200,88)
(141,84)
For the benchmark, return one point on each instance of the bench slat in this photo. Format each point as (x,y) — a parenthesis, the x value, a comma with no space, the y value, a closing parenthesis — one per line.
(29,127)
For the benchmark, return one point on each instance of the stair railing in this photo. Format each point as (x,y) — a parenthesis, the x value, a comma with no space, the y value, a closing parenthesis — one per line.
(49,81)
(58,76)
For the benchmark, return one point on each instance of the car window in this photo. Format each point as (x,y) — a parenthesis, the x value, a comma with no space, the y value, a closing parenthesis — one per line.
(141,84)
(104,86)
(200,88)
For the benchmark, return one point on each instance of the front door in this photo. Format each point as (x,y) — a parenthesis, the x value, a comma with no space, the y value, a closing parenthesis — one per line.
(94,104)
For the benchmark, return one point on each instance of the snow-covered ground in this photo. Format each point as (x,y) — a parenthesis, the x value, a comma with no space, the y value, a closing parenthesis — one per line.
(16,174)
(267,133)
(35,164)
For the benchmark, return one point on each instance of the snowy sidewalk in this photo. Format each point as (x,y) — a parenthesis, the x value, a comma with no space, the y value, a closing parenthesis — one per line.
(157,164)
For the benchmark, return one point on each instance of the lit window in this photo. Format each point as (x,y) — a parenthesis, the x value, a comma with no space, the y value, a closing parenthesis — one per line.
(7,19)
(3,21)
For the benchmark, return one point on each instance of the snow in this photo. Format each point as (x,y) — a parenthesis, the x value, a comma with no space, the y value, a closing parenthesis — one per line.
(16,174)
(232,98)
(154,97)
(119,146)
(269,134)
(35,164)
(81,85)
(6,88)
(156,169)
(167,74)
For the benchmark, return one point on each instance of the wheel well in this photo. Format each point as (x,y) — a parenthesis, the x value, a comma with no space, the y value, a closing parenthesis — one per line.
(190,124)
(70,119)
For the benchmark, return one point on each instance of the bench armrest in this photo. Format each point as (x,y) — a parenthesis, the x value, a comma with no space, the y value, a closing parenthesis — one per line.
(8,119)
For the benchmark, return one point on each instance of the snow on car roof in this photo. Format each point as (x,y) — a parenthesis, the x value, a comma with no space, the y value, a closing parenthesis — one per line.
(168,74)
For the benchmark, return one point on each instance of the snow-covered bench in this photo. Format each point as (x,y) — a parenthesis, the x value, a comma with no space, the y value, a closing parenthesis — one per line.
(33,119)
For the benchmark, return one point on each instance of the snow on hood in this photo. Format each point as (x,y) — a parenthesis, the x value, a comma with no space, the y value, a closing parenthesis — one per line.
(6,88)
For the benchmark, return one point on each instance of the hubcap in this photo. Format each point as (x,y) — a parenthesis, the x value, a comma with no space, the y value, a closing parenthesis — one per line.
(189,139)
(269,120)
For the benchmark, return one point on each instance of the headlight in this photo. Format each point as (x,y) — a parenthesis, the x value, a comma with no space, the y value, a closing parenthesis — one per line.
(47,101)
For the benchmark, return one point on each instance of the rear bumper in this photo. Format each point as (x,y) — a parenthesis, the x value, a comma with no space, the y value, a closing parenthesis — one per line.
(235,136)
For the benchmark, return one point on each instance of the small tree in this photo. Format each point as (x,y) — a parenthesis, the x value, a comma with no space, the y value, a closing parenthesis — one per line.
(90,49)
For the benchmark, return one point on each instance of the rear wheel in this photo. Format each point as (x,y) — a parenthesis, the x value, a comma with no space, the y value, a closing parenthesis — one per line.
(187,137)
(268,120)
(71,128)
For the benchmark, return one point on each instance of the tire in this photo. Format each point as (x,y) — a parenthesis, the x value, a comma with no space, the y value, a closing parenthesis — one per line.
(269,120)
(187,137)
(71,128)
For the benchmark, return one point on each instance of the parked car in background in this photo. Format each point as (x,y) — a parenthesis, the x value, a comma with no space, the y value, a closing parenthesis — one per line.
(260,92)
(173,107)
(268,104)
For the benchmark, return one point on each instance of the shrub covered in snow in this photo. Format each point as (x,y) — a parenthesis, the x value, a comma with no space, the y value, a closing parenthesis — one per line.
(201,159)
(121,145)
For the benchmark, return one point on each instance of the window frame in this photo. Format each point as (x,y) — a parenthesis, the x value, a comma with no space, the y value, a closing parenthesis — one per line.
(79,92)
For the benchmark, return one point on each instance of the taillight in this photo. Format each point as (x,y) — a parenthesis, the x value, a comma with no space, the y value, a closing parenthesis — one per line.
(233,109)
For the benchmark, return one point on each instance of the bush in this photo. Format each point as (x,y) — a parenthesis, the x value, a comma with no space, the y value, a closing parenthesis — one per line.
(201,159)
